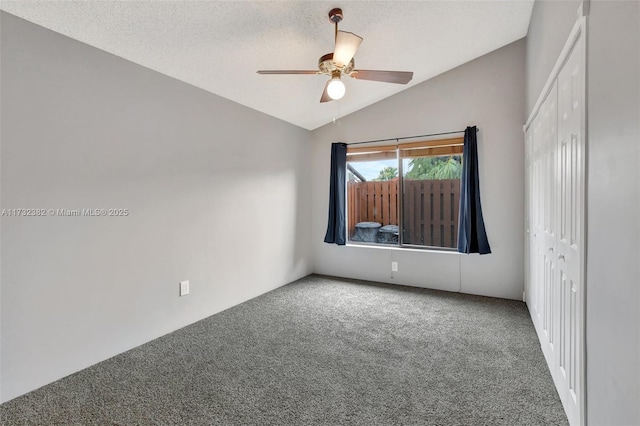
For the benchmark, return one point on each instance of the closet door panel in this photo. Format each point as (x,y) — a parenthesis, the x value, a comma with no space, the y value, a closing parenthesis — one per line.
(550,208)
(570,243)
(537,225)
(543,224)
(527,215)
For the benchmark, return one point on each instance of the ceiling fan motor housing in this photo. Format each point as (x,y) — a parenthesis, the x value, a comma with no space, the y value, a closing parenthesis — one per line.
(327,66)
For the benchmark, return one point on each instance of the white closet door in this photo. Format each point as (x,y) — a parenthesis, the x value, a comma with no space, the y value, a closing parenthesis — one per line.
(549,231)
(528,202)
(534,297)
(570,244)
(555,166)
(544,225)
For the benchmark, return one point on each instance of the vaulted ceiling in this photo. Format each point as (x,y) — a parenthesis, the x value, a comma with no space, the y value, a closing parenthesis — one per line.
(219,45)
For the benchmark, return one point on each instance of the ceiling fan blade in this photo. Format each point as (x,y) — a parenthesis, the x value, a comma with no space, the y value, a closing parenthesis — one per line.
(277,72)
(325,94)
(398,77)
(346,46)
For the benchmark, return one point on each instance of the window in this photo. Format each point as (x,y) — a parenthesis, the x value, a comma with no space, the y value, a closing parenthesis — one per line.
(405,195)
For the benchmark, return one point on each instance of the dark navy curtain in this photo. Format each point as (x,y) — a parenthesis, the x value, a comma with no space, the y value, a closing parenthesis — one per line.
(472,237)
(336,227)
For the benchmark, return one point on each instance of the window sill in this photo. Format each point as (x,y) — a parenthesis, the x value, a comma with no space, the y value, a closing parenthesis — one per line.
(398,248)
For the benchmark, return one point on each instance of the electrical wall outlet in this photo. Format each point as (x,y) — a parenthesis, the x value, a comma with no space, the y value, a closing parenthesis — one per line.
(394,266)
(184,288)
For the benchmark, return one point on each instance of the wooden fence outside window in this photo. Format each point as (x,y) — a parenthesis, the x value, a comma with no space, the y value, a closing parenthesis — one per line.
(430,209)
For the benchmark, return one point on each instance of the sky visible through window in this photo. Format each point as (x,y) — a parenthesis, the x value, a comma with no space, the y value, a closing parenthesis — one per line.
(371,169)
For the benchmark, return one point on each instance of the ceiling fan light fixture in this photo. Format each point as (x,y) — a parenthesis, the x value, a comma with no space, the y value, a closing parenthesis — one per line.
(346,46)
(340,62)
(336,88)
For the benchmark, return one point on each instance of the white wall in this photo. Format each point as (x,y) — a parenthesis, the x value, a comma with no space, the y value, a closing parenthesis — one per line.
(613,198)
(487,92)
(613,230)
(218,194)
(550,25)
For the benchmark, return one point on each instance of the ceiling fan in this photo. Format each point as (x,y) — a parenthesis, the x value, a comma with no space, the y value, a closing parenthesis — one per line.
(340,63)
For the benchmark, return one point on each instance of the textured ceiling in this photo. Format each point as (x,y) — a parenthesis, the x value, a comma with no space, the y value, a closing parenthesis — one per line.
(219,45)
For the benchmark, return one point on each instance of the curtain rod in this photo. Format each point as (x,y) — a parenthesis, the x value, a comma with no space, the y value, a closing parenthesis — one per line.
(409,137)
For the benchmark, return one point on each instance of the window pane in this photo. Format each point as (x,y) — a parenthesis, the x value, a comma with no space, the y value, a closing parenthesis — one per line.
(372,200)
(431,199)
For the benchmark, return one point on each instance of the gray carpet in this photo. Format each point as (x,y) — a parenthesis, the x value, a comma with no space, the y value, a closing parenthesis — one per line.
(320,351)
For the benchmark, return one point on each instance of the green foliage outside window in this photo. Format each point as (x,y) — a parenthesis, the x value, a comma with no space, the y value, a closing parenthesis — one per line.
(387,173)
(435,168)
